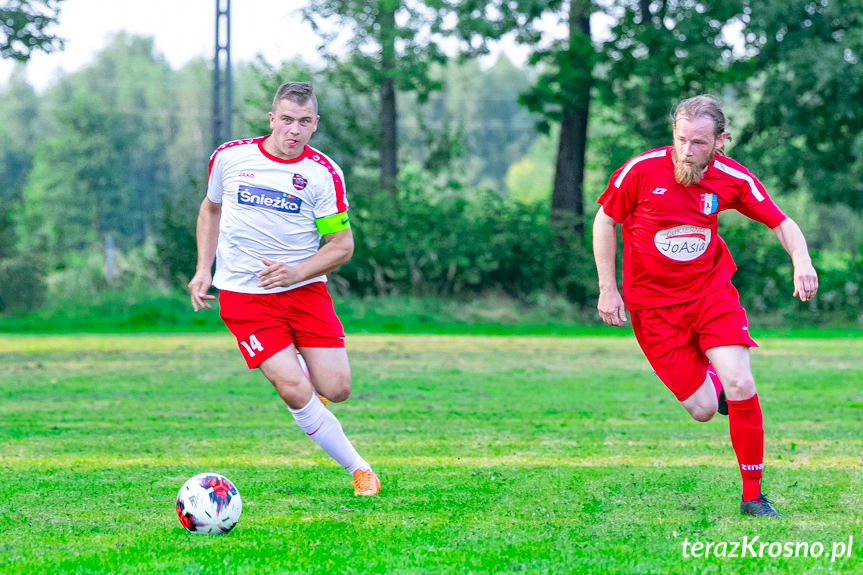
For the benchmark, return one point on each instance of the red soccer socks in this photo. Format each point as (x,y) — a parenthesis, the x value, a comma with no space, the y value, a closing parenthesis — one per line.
(746,426)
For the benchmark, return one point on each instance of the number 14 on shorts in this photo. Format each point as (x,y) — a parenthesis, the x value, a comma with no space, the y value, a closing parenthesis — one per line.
(252,345)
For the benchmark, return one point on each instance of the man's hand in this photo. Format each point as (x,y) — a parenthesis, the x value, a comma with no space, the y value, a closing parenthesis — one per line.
(277,275)
(805,281)
(198,288)
(805,277)
(611,307)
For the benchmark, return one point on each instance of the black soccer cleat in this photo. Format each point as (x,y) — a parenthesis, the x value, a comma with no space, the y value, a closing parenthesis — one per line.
(760,507)
(722,404)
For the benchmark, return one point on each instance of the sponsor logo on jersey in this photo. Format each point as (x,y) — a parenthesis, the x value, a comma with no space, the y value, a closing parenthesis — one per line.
(269,199)
(300,182)
(682,243)
(709,203)
(660,191)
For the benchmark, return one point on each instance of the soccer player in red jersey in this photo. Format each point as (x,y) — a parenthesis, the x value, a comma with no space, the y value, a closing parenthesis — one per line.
(677,272)
(269,202)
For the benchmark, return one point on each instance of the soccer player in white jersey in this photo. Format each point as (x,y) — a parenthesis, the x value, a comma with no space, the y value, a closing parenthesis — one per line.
(269,201)
(677,271)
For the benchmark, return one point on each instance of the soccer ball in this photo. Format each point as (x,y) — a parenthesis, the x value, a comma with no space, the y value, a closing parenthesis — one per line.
(209,503)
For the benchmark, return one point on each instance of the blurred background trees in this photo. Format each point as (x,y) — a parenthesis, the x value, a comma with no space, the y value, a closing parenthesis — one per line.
(25,27)
(466,175)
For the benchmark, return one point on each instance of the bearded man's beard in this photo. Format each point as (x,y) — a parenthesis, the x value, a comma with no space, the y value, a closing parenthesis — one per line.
(688,174)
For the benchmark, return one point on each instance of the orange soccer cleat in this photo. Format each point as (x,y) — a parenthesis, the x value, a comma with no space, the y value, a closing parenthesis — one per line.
(366,482)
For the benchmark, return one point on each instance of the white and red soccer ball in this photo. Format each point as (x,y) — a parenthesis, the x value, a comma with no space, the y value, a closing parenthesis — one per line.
(209,503)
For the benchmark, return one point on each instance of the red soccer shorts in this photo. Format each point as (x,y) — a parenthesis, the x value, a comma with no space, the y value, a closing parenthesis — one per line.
(674,338)
(265,324)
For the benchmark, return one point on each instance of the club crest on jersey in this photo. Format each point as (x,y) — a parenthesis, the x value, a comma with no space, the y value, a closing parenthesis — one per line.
(709,203)
(682,243)
(269,199)
(300,182)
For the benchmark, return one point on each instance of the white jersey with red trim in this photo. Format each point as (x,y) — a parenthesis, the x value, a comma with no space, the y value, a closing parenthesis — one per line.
(269,208)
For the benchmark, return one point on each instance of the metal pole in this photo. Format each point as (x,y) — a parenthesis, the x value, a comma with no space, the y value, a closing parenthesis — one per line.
(222,89)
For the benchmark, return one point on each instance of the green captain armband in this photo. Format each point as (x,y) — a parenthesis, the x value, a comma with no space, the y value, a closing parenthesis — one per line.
(334,223)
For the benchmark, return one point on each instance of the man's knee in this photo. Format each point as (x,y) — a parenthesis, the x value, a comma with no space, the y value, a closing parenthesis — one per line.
(702,404)
(293,391)
(701,413)
(740,387)
(337,388)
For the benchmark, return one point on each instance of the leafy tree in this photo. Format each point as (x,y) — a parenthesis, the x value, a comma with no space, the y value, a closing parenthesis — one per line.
(101,166)
(562,94)
(806,127)
(187,153)
(387,53)
(497,130)
(75,192)
(393,47)
(18,108)
(24,28)
(472,125)
(661,51)
(529,180)
(187,143)
(18,105)
(341,112)
(22,283)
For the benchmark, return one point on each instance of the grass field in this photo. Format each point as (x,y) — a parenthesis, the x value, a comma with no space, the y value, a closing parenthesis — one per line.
(497,455)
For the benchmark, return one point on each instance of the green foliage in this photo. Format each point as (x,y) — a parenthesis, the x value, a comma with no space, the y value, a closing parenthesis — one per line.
(497,132)
(566,76)
(450,241)
(120,147)
(387,52)
(101,169)
(79,297)
(18,108)
(393,49)
(764,274)
(176,251)
(7,235)
(25,27)
(529,179)
(496,454)
(562,94)
(185,129)
(76,170)
(489,313)
(343,130)
(662,52)
(807,122)
(22,287)
(472,125)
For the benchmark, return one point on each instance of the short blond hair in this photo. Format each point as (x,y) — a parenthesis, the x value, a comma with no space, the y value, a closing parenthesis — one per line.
(297,92)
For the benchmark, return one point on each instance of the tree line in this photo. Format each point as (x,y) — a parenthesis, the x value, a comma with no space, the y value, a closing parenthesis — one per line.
(462,178)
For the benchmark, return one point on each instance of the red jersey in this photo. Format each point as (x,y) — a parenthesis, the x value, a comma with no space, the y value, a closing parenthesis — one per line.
(671,251)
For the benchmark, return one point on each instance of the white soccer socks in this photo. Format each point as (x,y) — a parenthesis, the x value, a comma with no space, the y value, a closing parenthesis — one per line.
(322,426)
